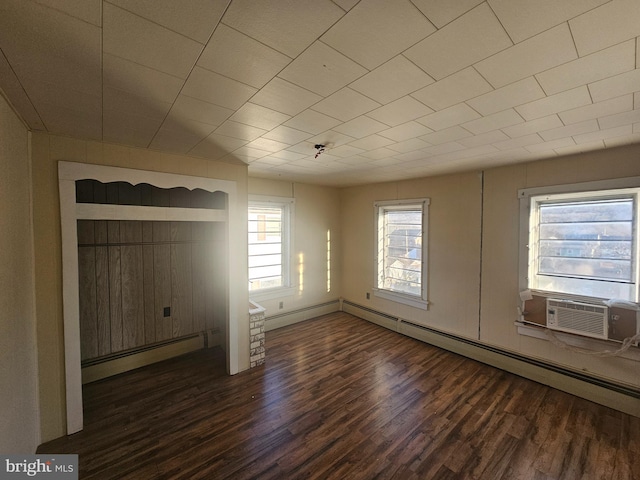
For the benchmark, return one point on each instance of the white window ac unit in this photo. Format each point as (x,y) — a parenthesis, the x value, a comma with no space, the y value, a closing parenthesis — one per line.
(577,317)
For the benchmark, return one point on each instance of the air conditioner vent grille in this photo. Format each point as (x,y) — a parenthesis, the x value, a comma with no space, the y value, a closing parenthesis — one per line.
(576,317)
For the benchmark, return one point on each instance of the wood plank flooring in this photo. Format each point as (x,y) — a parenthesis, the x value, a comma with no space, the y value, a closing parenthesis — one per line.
(342,398)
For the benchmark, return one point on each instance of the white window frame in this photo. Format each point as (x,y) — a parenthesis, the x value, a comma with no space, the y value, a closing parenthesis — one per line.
(417,301)
(614,187)
(288,214)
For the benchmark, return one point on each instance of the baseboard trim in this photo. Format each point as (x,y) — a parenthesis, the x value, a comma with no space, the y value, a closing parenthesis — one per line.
(284,319)
(617,396)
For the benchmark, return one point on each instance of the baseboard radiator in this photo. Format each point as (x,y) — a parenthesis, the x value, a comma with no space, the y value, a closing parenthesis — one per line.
(290,317)
(613,395)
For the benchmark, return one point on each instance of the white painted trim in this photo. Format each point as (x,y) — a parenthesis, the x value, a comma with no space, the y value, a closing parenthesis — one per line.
(96,211)
(68,173)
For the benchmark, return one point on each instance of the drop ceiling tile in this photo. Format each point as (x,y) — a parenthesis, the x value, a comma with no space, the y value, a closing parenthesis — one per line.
(484,139)
(289,26)
(441,12)
(259,116)
(270,160)
(195,19)
(312,122)
(406,131)
(377,30)
(576,97)
(523,19)
(615,86)
(237,56)
(216,146)
(346,151)
(250,153)
(140,80)
(378,153)
(517,93)
(456,88)
(129,36)
(542,52)
(597,66)
(619,119)
(570,130)
(128,128)
(409,145)
(120,100)
(193,109)
(345,105)
(288,155)
(600,109)
(322,70)
(533,126)
(583,147)
(604,134)
(392,80)
(268,145)
(467,40)
(360,127)
(331,139)
(287,135)
(87,10)
(239,130)
(518,142)
(552,145)
(175,142)
(400,111)
(371,142)
(607,25)
(65,121)
(10,84)
(285,97)
(495,121)
(213,88)
(56,96)
(187,127)
(449,117)
(445,136)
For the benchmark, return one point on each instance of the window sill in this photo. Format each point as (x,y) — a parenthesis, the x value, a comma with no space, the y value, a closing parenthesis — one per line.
(402,298)
(272,293)
(579,341)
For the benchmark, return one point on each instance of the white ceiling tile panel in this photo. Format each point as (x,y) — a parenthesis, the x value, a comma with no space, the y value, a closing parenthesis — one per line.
(619,119)
(129,128)
(237,56)
(409,145)
(615,86)
(188,127)
(406,131)
(587,126)
(331,139)
(549,146)
(322,70)
(195,19)
(312,122)
(521,141)
(456,88)
(213,88)
(345,104)
(346,151)
(376,30)
(270,160)
(400,111)
(193,109)
(604,134)
(250,152)
(287,135)
(240,131)
(610,24)
(484,139)
(533,126)
(449,117)
(441,12)
(517,93)
(89,11)
(378,153)
(346,5)
(66,121)
(471,38)
(360,127)
(285,97)
(546,50)
(10,84)
(523,19)
(583,147)
(289,26)
(175,141)
(129,36)
(371,142)
(120,100)
(621,140)
(392,80)
(216,146)
(259,116)
(559,102)
(142,81)
(495,121)
(448,135)
(600,109)
(597,66)
(268,145)
(288,155)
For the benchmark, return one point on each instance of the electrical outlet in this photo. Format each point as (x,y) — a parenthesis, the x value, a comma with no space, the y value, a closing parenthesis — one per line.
(368,295)
(281,305)
(166,312)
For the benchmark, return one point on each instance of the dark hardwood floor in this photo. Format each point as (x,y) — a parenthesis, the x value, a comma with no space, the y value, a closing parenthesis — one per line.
(342,398)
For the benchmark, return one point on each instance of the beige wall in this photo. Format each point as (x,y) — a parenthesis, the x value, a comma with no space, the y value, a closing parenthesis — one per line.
(317,212)
(19,421)
(47,150)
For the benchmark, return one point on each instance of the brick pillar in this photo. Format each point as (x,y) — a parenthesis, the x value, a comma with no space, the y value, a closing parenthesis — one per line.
(256,326)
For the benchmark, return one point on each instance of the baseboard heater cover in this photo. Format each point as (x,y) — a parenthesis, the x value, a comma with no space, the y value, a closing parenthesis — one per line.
(290,317)
(580,376)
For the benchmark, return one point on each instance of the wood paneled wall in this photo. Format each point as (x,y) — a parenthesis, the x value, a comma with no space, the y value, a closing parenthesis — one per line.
(144,282)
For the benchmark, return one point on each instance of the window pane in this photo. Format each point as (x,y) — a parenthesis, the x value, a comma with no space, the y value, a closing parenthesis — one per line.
(266,224)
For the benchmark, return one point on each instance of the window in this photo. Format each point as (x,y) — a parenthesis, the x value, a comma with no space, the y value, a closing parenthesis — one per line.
(269,243)
(400,253)
(584,243)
